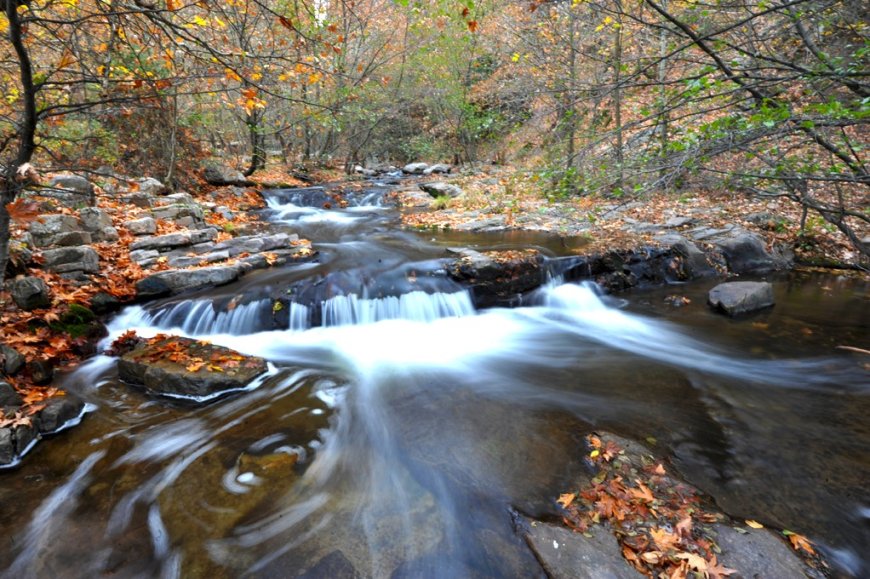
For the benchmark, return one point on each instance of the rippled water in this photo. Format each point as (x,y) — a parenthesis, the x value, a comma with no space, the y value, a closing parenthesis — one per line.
(399,427)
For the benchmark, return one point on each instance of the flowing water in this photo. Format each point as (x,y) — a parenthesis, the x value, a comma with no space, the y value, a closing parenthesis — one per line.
(399,428)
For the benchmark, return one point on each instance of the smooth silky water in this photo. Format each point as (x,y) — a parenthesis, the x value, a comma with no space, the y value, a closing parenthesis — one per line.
(400,430)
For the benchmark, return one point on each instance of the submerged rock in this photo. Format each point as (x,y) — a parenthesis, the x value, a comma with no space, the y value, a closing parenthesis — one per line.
(741,297)
(183,367)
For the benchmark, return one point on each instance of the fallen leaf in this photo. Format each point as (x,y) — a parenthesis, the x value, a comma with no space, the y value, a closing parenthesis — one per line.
(754,524)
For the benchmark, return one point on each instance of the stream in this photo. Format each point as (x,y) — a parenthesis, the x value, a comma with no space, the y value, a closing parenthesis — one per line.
(400,428)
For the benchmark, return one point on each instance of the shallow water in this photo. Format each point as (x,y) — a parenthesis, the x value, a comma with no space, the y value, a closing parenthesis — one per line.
(399,427)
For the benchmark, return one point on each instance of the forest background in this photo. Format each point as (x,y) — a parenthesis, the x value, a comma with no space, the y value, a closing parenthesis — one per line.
(611,98)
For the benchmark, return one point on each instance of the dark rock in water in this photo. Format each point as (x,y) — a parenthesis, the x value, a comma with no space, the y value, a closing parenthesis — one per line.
(24,436)
(741,297)
(41,371)
(57,412)
(149,365)
(174,281)
(220,176)
(745,253)
(11,362)
(103,303)
(757,553)
(564,553)
(9,396)
(497,276)
(695,262)
(7,447)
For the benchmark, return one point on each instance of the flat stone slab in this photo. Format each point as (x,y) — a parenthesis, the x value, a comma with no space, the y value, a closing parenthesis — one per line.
(564,553)
(177,280)
(741,297)
(183,367)
(757,553)
(172,240)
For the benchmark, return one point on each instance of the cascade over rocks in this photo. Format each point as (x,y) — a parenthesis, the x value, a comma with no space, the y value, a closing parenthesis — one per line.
(178,366)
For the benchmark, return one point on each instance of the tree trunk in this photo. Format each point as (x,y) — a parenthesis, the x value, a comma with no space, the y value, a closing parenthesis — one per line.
(617,99)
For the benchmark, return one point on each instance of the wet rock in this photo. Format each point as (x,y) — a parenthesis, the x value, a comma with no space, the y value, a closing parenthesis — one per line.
(745,253)
(59,411)
(149,365)
(143,226)
(757,553)
(415,168)
(441,189)
(497,276)
(9,396)
(7,447)
(41,372)
(564,553)
(30,293)
(741,297)
(68,259)
(174,281)
(220,176)
(172,240)
(24,435)
(151,186)
(695,262)
(103,303)
(437,168)
(11,362)
(46,229)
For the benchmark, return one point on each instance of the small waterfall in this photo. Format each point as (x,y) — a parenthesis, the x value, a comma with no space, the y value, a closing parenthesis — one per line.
(202,318)
(415,306)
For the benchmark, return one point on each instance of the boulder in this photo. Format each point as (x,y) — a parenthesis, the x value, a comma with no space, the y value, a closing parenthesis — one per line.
(71,190)
(220,176)
(103,303)
(151,186)
(694,261)
(58,412)
(30,293)
(46,229)
(590,555)
(745,253)
(9,396)
(415,168)
(25,435)
(441,189)
(499,276)
(69,259)
(437,168)
(41,372)
(180,198)
(174,281)
(741,297)
(94,220)
(11,362)
(143,226)
(188,373)
(172,240)
(360,170)
(178,211)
